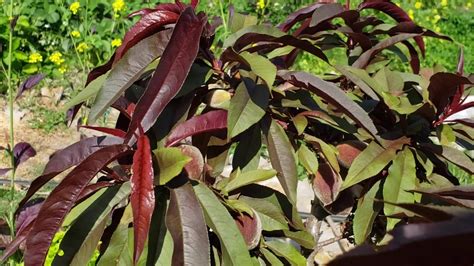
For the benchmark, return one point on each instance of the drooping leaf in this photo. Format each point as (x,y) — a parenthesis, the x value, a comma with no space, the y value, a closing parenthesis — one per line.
(221,222)
(185,221)
(270,257)
(326,183)
(61,200)
(454,155)
(298,16)
(304,238)
(400,180)
(457,195)
(287,251)
(358,81)
(128,70)
(112,131)
(325,12)
(247,107)
(145,27)
(365,214)
(142,197)
(250,227)
(4,171)
(249,177)
(443,87)
(88,92)
(262,29)
(22,152)
(333,95)
(171,72)
(240,21)
(211,121)
(308,159)
(28,84)
(283,159)
(66,158)
(371,161)
(247,153)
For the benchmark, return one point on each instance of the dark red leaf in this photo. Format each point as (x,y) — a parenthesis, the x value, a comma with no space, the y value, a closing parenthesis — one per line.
(457,195)
(431,213)
(396,13)
(112,131)
(298,16)
(66,158)
(208,122)
(62,199)
(22,152)
(326,183)
(443,243)
(100,70)
(148,25)
(460,68)
(332,94)
(325,12)
(141,12)
(72,112)
(171,72)
(185,221)
(414,59)
(143,195)
(250,228)
(252,38)
(15,244)
(29,83)
(92,188)
(442,87)
(4,171)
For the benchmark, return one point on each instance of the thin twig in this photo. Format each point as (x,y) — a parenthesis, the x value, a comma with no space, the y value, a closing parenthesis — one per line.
(334,231)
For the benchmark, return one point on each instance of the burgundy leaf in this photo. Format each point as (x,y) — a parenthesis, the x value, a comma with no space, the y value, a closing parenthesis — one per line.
(22,152)
(298,16)
(171,72)
(112,131)
(332,94)
(364,59)
(92,188)
(208,122)
(29,83)
(325,12)
(4,171)
(414,59)
(72,112)
(457,195)
(396,13)
(141,12)
(62,199)
(185,221)
(100,70)
(252,38)
(250,228)
(13,22)
(143,195)
(15,244)
(460,68)
(326,183)
(467,122)
(442,87)
(442,243)
(195,167)
(66,158)
(148,25)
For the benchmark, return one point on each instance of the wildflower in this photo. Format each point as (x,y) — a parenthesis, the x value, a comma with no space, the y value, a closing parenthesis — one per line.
(469,5)
(118,5)
(35,58)
(398,4)
(75,34)
(411,14)
(418,5)
(56,58)
(444,2)
(261,4)
(74,7)
(82,47)
(62,69)
(436,18)
(60,253)
(437,29)
(116,43)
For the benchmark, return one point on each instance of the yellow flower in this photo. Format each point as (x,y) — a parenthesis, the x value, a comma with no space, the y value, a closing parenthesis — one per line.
(82,47)
(35,58)
(436,18)
(418,5)
(469,5)
(74,7)
(118,5)
(411,14)
(261,4)
(444,2)
(398,4)
(56,58)
(75,34)
(437,29)
(116,43)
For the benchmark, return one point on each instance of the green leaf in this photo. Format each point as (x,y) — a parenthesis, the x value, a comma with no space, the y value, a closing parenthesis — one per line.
(287,251)
(240,21)
(371,161)
(261,66)
(329,151)
(453,155)
(359,81)
(300,123)
(247,107)
(283,159)
(249,177)
(308,159)
(221,222)
(270,257)
(171,162)
(247,153)
(89,91)
(128,70)
(90,244)
(401,179)
(364,216)
(446,135)
(270,224)
(303,238)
